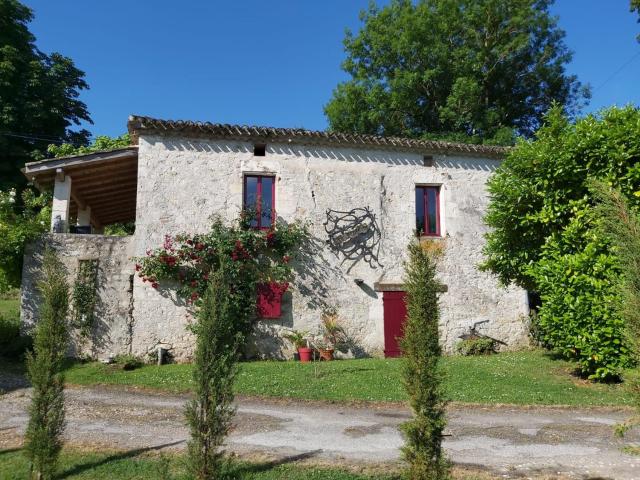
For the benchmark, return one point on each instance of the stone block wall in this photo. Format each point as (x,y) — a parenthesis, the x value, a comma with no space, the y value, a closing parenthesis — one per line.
(184,182)
(112,329)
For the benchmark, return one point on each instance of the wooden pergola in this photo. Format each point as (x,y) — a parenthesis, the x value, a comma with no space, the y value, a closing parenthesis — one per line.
(95,189)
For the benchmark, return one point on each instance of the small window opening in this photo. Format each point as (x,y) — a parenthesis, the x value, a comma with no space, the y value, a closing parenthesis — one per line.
(259,149)
(428,160)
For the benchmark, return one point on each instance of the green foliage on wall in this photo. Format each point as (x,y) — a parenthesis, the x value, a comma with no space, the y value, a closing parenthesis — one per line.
(543,236)
(85,295)
(480,71)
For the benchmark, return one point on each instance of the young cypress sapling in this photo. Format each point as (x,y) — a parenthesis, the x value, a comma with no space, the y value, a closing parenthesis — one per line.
(219,338)
(43,438)
(423,377)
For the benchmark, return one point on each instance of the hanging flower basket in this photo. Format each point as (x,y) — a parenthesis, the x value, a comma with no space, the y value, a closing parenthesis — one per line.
(269,303)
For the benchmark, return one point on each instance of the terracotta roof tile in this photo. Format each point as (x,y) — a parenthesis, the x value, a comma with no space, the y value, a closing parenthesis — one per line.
(138,124)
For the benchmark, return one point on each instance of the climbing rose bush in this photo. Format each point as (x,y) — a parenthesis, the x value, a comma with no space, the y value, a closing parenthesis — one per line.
(257,257)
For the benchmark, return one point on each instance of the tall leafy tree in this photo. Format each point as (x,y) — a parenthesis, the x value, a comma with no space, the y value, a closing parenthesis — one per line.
(39,95)
(473,70)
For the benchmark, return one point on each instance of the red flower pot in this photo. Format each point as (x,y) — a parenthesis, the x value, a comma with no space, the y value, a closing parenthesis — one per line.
(269,304)
(305,354)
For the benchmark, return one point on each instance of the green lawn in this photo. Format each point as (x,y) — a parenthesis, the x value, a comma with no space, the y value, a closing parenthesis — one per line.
(522,378)
(9,307)
(139,466)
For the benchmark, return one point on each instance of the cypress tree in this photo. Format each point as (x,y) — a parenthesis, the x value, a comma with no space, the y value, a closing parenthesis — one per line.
(43,438)
(618,222)
(209,414)
(422,375)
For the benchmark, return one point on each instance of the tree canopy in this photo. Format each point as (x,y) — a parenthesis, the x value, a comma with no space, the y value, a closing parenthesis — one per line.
(469,70)
(39,96)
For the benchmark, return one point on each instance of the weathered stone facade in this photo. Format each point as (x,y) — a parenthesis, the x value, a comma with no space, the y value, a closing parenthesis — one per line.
(184,181)
(112,330)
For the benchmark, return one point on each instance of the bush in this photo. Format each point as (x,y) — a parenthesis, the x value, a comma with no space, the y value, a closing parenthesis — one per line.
(128,362)
(422,374)
(579,319)
(12,344)
(476,346)
(543,237)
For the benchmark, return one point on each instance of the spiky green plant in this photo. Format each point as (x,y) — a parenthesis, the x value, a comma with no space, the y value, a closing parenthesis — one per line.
(422,375)
(209,414)
(618,222)
(43,438)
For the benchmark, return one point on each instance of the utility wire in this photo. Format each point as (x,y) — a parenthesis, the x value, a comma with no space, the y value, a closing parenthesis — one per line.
(624,65)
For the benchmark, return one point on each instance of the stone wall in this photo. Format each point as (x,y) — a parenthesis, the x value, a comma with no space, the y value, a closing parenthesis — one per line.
(183,183)
(112,329)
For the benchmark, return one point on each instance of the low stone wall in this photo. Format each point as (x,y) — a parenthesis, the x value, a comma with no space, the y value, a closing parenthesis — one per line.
(112,329)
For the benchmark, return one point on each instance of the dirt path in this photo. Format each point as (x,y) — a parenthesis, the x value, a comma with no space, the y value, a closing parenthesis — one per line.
(510,441)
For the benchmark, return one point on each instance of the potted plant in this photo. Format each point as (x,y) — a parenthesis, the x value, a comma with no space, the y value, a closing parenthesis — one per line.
(299,341)
(332,334)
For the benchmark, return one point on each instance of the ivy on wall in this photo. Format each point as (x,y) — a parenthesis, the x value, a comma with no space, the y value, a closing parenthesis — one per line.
(84,296)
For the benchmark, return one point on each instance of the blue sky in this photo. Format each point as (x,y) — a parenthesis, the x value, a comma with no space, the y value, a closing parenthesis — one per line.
(269,62)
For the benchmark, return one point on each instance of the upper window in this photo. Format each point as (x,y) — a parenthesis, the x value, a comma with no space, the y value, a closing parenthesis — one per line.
(428,210)
(260,200)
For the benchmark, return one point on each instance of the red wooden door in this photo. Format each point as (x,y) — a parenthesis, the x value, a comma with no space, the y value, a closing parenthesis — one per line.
(395,313)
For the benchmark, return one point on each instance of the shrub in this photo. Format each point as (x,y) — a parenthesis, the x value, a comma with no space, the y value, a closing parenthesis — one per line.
(22,220)
(542,233)
(579,318)
(12,344)
(422,374)
(128,361)
(476,346)
(43,438)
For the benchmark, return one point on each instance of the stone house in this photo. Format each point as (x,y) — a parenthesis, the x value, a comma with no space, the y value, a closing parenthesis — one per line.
(364,196)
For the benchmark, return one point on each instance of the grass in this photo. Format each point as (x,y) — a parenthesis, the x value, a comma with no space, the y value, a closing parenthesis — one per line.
(139,466)
(142,465)
(522,378)
(10,306)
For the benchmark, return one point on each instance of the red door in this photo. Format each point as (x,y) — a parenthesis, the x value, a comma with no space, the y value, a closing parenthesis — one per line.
(395,313)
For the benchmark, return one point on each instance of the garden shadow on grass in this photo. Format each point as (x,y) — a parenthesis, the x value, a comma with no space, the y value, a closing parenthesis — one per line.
(111,458)
(239,471)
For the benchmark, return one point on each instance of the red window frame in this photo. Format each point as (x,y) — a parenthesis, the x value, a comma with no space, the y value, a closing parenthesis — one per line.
(259,199)
(425,205)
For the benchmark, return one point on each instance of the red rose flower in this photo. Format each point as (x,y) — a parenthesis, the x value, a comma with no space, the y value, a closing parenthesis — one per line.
(154,285)
(138,267)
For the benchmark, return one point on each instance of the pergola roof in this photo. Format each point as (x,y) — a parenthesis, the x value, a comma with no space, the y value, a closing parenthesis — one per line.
(106,181)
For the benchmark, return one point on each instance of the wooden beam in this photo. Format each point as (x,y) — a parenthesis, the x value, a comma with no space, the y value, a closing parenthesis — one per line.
(89,159)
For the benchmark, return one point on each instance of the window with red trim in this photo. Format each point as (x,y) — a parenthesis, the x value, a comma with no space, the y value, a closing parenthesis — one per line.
(428,210)
(260,200)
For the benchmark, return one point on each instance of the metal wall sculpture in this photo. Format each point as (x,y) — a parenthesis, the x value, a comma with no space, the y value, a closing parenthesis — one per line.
(354,234)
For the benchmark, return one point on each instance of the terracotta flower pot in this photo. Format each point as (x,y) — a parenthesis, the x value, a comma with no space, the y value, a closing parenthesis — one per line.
(305,354)
(326,354)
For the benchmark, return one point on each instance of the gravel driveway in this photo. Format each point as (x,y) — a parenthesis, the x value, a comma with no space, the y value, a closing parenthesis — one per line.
(512,442)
